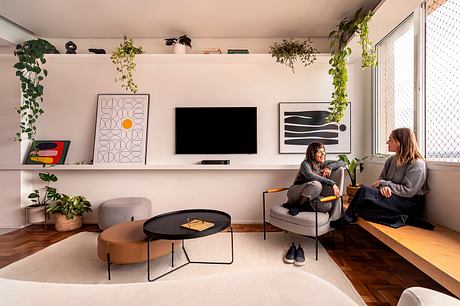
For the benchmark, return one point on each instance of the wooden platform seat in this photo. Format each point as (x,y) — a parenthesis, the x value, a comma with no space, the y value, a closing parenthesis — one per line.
(126,243)
(437,252)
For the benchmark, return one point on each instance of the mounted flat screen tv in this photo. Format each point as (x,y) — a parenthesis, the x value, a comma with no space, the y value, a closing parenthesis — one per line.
(216,130)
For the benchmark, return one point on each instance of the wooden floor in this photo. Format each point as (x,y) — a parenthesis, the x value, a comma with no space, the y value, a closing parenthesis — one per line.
(378,274)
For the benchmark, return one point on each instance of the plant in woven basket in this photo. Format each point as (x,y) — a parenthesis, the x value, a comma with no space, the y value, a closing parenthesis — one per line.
(31,55)
(340,37)
(123,58)
(70,206)
(291,50)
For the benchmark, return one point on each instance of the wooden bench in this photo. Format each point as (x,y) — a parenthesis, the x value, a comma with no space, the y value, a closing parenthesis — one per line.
(437,252)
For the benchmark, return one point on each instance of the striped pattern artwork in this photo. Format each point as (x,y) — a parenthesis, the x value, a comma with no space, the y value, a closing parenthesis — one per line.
(304,123)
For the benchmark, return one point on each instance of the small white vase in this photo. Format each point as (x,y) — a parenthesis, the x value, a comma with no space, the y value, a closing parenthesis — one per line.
(179,49)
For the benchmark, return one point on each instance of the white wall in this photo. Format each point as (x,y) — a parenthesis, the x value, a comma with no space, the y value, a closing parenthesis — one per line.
(70,102)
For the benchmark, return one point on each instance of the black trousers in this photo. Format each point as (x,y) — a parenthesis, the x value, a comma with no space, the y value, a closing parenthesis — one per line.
(394,211)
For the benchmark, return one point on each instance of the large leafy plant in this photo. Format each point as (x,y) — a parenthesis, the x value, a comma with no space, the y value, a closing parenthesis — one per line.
(291,50)
(70,206)
(340,54)
(49,193)
(30,73)
(123,58)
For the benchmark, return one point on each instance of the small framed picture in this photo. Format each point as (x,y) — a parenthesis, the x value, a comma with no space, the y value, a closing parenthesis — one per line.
(47,152)
(302,123)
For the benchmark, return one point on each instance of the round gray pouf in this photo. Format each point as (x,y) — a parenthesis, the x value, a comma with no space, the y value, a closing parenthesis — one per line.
(121,210)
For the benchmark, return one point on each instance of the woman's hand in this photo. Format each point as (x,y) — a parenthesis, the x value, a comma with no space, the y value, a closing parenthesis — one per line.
(326,172)
(385,191)
(336,190)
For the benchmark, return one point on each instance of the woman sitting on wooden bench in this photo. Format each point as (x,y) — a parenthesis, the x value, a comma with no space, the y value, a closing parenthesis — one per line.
(397,198)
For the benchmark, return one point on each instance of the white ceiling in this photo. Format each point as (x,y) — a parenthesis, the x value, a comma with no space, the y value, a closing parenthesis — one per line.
(166,18)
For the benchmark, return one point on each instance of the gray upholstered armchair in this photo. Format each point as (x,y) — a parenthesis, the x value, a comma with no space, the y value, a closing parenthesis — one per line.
(312,224)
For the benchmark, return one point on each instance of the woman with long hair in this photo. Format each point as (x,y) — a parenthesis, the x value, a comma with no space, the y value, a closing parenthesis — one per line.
(398,196)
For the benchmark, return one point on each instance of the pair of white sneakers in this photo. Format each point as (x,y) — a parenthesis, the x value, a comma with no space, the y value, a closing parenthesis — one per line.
(295,255)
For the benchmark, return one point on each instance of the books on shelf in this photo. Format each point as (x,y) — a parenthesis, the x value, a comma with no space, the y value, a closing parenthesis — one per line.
(237,51)
(197,225)
(212,51)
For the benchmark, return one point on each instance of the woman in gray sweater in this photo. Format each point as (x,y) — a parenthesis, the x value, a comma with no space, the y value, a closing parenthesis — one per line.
(397,197)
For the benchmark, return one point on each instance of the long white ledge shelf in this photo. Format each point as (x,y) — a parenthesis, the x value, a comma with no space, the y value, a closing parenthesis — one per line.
(150,167)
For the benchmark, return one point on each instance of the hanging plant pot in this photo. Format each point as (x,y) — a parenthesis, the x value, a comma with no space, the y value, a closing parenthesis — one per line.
(179,49)
(63,224)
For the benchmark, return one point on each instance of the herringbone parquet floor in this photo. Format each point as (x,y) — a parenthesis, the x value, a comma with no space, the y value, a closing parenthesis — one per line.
(378,274)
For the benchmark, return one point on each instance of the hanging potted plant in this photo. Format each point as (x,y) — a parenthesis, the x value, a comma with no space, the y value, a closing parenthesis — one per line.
(291,50)
(179,43)
(123,58)
(340,37)
(69,211)
(31,56)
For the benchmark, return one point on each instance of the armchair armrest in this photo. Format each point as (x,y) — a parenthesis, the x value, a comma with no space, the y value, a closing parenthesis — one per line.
(272,190)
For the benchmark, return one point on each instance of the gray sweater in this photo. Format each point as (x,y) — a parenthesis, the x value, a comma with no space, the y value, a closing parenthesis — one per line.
(406,180)
(307,174)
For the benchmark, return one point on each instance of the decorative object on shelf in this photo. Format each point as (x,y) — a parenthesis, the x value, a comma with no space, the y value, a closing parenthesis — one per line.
(179,43)
(42,201)
(212,51)
(69,211)
(352,166)
(123,58)
(302,123)
(340,37)
(237,51)
(47,152)
(121,129)
(30,73)
(291,50)
(70,47)
(96,51)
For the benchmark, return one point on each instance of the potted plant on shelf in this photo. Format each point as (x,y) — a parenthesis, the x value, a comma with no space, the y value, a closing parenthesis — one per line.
(69,211)
(291,50)
(36,211)
(179,43)
(123,58)
(31,57)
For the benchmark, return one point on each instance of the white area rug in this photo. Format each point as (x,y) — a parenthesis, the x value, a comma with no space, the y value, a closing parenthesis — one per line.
(74,260)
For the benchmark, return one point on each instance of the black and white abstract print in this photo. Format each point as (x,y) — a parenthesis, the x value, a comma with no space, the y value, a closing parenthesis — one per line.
(302,123)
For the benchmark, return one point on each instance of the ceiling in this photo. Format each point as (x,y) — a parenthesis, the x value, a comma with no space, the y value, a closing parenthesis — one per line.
(166,18)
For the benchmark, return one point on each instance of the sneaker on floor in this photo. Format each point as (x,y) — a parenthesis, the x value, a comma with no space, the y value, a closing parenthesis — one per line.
(290,255)
(299,257)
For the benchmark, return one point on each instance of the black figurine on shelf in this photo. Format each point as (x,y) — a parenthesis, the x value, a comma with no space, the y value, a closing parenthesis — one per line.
(71,47)
(97,51)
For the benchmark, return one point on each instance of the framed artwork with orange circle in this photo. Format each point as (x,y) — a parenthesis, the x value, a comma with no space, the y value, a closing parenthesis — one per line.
(121,129)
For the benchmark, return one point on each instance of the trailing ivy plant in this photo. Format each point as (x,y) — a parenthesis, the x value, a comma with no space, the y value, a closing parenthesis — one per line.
(30,73)
(291,50)
(123,58)
(340,54)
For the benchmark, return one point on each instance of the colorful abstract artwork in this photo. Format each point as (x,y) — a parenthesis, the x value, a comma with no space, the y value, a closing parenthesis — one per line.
(302,123)
(49,152)
(121,129)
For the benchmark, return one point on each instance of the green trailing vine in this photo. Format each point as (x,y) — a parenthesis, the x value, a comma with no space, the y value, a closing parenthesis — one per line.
(340,54)
(123,58)
(291,50)
(30,73)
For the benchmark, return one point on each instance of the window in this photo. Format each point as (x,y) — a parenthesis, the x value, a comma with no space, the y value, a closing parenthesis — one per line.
(395,82)
(397,103)
(442,29)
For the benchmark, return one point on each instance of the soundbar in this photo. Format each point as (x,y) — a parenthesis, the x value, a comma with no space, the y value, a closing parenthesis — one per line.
(215,162)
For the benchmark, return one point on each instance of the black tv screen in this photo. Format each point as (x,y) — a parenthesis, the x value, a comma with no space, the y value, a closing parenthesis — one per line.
(216,130)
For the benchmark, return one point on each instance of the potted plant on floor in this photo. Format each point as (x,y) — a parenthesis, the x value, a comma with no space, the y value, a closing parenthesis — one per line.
(36,211)
(179,43)
(69,211)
